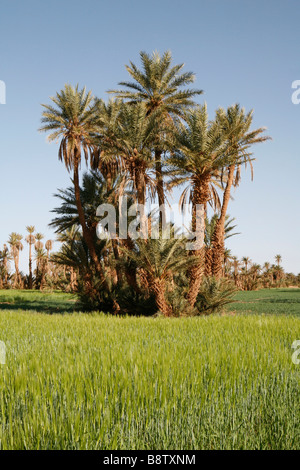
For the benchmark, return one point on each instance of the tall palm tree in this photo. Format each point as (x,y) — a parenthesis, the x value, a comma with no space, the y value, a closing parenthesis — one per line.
(162,87)
(130,140)
(15,248)
(278,259)
(73,120)
(236,124)
(30,239)
(202,153)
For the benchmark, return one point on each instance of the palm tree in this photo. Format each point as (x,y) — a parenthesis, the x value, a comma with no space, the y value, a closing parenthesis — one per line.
(5,258)
(159,259)
(48,246)
(130,140)
(236,266)
(246,260)
(30,239)
(278,259)
(39,245)
(210,225)
(41,267)
(73,120)
(161,87)
(15,248)
(236,125)
(202,153)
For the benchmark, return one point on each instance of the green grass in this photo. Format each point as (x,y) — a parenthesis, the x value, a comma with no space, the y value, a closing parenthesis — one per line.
(48,302)
(79,381)
(267,301)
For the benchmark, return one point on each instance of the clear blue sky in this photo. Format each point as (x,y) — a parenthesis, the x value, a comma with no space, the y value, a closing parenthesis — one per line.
(241,51)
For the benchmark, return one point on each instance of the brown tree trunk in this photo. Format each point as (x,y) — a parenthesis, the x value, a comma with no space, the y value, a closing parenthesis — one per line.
(201,194)
(85,230)
(219,232)
(160,188)
(208,262)
(158,288)
(30,266)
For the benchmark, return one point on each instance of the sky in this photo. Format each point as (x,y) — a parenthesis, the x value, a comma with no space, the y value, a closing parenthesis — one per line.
(243,52)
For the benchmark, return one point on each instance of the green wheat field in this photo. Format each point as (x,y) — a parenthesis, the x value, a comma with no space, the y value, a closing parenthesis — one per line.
(91,381)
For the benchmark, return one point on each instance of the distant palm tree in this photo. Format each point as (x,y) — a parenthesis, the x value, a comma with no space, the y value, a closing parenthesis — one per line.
(162,87)
(246,260)
(39,245)
(236,265)
(278,259)
(30,239)
(5,258)
(41,267)
(48,246)
(15,248)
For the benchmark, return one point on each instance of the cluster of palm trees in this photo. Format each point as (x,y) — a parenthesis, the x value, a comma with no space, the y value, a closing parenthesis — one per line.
(248,275)
(38,253)
(149,138)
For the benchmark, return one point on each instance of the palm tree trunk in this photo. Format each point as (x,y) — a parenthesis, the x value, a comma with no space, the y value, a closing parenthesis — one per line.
(30,266)
(158,288)
(86,232)
(141,198)
(219,232)
(201,194)
(160,188)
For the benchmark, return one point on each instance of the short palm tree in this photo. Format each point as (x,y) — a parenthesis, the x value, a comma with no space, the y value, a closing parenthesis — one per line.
(159,259)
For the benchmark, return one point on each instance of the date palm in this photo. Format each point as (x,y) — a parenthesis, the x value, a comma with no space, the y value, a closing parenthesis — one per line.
(129,139)
(201,156)
(159,259)
(4,259)
(246,260)
(73,120)
(210,226)
(162,87)
(15,248)
(236,124)
(30,239)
